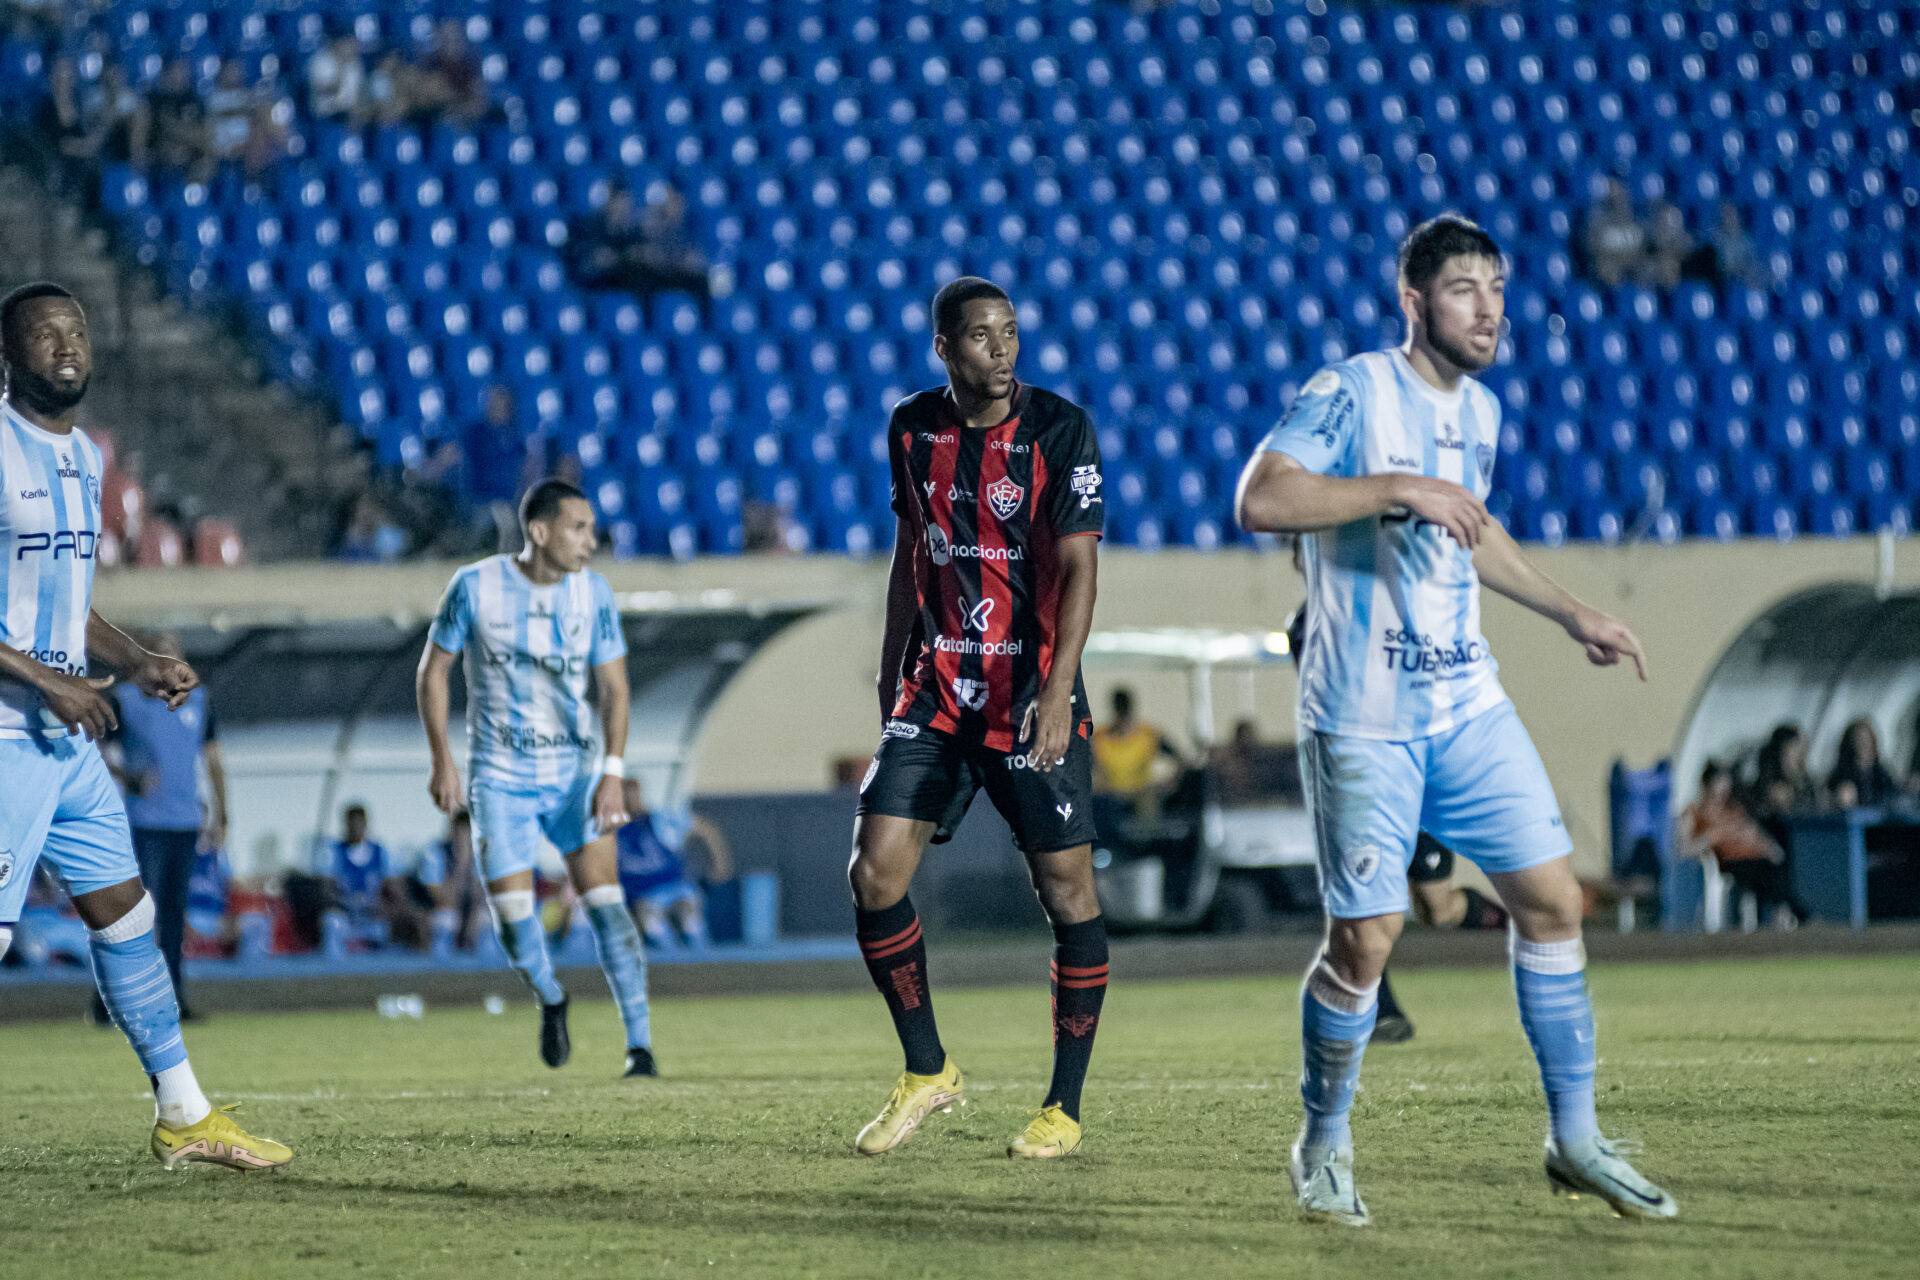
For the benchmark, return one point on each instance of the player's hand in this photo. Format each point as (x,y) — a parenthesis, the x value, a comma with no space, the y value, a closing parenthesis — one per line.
(1606,640)
(166,678)
(610,804)
(1446,504)
(444,787)
(81,703)
(1048,725)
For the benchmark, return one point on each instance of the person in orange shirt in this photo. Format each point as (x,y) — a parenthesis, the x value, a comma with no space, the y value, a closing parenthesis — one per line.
(1125,750)
(1717,824)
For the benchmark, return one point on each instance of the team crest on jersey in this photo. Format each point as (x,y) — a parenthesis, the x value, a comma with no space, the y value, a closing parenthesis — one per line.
(93,489)
(1323,383)
(1363,862)
(1004,496)
(971,694)
(6,868)
(1483,454)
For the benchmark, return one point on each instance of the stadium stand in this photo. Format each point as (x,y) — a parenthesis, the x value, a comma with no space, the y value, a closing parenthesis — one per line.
(1193,205)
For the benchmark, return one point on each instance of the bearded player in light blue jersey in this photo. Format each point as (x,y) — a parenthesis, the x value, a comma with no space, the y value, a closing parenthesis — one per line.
(1384,463)
(57,800)
(547,711)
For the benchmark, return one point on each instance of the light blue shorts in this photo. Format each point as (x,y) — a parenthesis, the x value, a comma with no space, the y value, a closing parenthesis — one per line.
(509,821)
(1478,788)
(58,801)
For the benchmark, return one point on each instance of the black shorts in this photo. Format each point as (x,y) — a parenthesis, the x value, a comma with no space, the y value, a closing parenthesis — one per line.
(932,777)
(1432,861)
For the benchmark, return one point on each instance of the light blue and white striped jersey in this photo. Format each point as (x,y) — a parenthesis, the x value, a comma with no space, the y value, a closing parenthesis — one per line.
(1393,648)
(49,532)
(530,655)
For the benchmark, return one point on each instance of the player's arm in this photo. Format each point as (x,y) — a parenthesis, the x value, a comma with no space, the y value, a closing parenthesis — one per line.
(431,690)
(1277,494)
(1504,569)
(79,702)
(216,832)
(154,674)
(611,696)
(901,601)
(1048,724)
(719,852)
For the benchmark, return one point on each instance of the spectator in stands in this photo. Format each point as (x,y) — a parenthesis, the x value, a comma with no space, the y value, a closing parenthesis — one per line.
(179,120)
(369,903)
(1126,752)
(1782,784)
(157,757)
(337,86)
(447,876)
(1614,239)
(241,129)
(119,114)
(1859,780)
(448,83)
(1728,256)
(1718,825)
(390,89)
(62,125)
(1669,245)
(618,246)
(495,460)
(371,536)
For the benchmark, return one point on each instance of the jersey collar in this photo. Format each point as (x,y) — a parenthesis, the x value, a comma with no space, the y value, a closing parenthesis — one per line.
(1404,370)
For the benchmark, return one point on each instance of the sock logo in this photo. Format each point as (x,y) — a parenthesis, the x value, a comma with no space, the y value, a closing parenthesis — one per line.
(6,868)
(1079,1025)
(906,984)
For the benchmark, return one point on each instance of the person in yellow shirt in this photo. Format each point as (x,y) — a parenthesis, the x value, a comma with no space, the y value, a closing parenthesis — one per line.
(1125,751)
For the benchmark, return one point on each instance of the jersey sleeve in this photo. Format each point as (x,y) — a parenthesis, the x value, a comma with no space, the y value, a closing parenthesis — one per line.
(455,618)
(897,485)
(1321,426)
(1074,501)
(609,640)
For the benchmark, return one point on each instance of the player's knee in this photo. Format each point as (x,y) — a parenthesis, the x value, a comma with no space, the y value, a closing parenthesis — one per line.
(875,886)
(1358,949)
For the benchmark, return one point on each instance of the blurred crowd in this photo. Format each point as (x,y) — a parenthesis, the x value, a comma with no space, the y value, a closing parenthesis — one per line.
(1621,244)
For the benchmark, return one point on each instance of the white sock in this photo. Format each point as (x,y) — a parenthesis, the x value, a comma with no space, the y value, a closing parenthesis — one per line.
(177,1099)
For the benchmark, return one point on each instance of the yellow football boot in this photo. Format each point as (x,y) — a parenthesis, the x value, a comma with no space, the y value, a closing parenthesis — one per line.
(216,1139)
(1050,1134)
(907,1106)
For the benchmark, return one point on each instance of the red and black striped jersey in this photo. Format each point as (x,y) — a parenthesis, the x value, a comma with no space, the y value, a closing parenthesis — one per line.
(986,509)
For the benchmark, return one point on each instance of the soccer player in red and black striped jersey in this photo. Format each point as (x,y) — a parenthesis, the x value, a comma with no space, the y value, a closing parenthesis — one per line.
(997,489)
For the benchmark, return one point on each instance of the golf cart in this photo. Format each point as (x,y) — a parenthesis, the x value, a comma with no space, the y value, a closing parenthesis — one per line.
(1228,843)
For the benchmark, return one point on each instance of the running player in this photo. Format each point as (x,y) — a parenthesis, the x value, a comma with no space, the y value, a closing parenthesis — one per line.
(1384,463)
(996,486)
(57,799)
(537,628)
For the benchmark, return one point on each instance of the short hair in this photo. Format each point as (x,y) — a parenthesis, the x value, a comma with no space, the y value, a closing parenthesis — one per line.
(11,304)
(1712,772)
(355,808)
(1123,701)
(950,304)
(1429,245)
(543,501)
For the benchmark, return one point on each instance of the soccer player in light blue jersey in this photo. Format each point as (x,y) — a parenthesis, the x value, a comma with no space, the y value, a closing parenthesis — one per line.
(57,800)
(547,710)
(1384,463)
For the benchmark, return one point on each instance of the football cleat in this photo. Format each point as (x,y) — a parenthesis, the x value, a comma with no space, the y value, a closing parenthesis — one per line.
(556,1046)
(912,1099)
(1593,1166)
(640,1063)
(1050,1134)
(1323,1185)
(1392,1028)
(217,1139)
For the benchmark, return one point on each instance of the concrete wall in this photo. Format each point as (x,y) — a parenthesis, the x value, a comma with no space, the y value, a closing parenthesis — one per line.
(810,697)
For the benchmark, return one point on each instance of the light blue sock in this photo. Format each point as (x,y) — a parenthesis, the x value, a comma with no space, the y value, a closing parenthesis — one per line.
(1335,1021)
(622,959)
(525,944)
(1550,982)
(137,989)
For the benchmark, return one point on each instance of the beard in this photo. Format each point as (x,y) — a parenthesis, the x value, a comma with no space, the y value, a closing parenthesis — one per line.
(1458,354)
(41,394)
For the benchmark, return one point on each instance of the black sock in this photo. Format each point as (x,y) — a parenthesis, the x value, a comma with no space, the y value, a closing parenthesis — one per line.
(1079,988)
(896,956)
(1389,1007)
(1482,912)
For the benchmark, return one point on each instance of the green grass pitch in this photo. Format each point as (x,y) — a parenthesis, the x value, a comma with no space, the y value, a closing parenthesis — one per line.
(1778,1099)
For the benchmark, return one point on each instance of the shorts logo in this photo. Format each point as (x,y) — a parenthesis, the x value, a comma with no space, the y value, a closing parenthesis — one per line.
(1086,482)
(904,729)
(1363,862)
(969,693)
(980,615)
(6,868)
(938,546)
(1004,496)
(868,780)
(1065,811)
